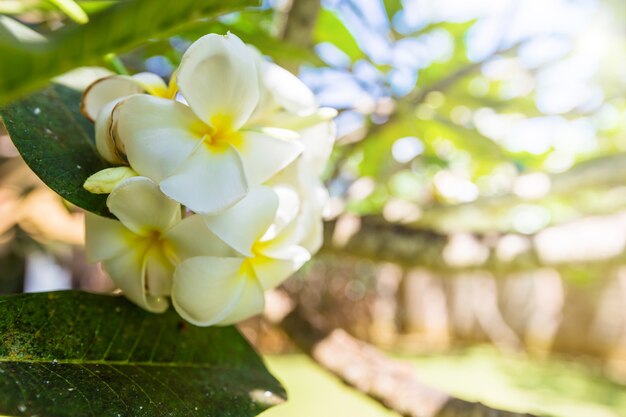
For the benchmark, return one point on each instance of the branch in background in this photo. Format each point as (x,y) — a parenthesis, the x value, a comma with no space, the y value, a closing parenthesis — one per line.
(392,383)
(299,25)
(568,245)
(449,80)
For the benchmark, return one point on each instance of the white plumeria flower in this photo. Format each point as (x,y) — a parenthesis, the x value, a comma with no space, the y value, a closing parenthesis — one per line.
(101,97)
(205,155)
(211,151)
(142,249)
(234,290)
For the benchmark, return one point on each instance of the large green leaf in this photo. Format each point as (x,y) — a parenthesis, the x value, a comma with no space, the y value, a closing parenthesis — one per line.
(56,141)
(29,62)
(73,354)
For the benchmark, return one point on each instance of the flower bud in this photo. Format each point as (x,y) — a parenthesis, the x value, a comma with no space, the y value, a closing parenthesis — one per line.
(103,182)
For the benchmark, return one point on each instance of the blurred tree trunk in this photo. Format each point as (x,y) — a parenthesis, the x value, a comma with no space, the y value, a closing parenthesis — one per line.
(392,383)
(297,28)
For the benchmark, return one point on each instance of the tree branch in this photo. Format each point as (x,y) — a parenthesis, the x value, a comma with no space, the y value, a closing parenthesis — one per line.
(376,239)
(450,79)
(392,383)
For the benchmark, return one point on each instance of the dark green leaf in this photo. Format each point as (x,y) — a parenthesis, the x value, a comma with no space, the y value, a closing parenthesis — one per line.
(76,354)
(120,27)
(56,141)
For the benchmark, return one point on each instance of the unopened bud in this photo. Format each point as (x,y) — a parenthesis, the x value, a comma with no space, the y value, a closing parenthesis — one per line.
(103,182)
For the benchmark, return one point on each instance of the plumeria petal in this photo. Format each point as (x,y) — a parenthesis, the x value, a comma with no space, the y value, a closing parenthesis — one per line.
(109,145)
(191,237)
(285,120)
(152,84)
(139,204)
(209,181)
(318,143)
(105,238)
(288,91)
(158,273)
(272,270)
(278,133)
(263,155)
(105,90)
(217,77)
(312,233)
(266,104)
(304,173)
(250,304)
(288,208)
(245,222)
(128,272)
(307,229)
(207,289)
(159,134)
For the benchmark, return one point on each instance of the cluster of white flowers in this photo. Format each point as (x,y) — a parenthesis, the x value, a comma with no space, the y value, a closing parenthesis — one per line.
(217,190)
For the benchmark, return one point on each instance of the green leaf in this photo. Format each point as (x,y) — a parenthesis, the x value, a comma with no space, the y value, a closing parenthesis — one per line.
(57,143)
(330,28)
(392,7)
(72,10)
(69,353)
(120,27)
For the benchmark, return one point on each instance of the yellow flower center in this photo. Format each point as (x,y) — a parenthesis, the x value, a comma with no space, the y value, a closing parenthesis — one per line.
(156,243)
(169,92)
(220,133)
(246,268)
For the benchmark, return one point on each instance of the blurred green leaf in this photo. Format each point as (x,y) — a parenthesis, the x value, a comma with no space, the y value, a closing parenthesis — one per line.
(120,27)
(454,68)
(331,29)
(392,7)
(485,152)
(72,10)
(69,353)
(57,142)
(377,159)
